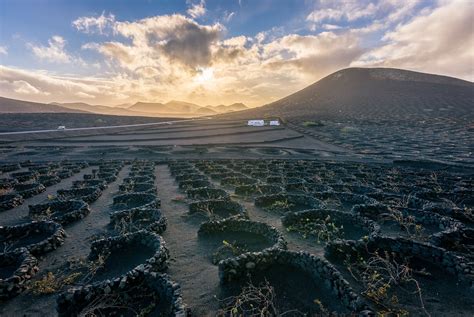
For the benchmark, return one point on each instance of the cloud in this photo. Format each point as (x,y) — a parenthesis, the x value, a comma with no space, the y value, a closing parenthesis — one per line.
(325,14)
(345,10)
(331,27)
(166,57)
(92,25)
(3,50)
(84,95)
(54,52)
(190,44)
(161,40)
(228,16)
(363,11)
(229,50)
(440,41)
(117,51)
(16,83)
(25,88)
(311,56)
(197,10)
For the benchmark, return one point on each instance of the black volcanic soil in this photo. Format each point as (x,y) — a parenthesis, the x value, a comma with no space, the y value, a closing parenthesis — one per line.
(80,234)
(10,122)
(190,263)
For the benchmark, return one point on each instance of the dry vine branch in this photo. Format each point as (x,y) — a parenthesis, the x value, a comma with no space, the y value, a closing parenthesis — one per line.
(381,273)
(254,301)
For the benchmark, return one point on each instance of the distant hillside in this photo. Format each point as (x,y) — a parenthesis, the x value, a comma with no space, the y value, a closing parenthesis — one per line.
(98,109)
(375,93)
(182,108)
(179,108)
(233,107)
(170,109)
(19,106)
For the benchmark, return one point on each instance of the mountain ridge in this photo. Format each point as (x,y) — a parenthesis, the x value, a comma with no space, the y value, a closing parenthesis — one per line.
(8,105)
(182,107)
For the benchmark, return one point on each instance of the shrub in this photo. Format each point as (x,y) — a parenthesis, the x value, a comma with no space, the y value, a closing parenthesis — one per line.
(309,124)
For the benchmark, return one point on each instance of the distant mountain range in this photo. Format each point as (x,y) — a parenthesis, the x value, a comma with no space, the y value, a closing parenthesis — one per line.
(169,109)
(80,106)
(354,93)
(374,93)
(180,108)
(172,107)
(230,108)
(19,106)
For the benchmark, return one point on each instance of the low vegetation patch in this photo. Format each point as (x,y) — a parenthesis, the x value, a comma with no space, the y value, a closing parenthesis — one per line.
(323,229)
(311,124)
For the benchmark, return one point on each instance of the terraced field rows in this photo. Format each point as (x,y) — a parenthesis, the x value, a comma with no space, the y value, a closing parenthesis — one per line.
(215,237)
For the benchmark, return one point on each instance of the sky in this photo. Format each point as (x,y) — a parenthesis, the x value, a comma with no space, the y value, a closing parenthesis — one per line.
(214,52)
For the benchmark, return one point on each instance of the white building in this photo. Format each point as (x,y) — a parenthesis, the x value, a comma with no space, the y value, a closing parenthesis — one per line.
(274,122)
(256,123)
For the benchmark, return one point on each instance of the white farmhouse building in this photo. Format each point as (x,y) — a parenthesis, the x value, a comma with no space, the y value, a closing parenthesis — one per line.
(274,122)
(256,123)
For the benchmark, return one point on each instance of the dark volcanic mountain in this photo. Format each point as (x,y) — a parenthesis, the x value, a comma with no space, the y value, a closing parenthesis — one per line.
(20,106)
(376,93)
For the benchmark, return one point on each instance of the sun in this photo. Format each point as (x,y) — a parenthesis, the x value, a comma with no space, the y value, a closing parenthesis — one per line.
(204,75)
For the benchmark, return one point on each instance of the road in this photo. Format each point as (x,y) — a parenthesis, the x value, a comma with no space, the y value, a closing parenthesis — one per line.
(105,127)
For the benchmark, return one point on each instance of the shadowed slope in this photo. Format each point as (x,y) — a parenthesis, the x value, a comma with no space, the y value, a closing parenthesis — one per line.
(20,106)
(376,93)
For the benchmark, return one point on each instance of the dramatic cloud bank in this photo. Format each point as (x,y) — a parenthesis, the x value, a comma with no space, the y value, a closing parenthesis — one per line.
(174,56)
(439,41)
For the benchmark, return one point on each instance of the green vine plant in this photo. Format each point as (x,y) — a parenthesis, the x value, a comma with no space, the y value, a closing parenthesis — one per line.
(280,206)
(228,249)
(404,201)
(434,178)
(207,210)
(306,189)
(238,183)
(408,224)
(383,277)
(467,212)
(52,283)
(78,272)
(128,224)
(90,268)
(255,301)
(325,230)
(335,203)
(45,216)
(6,247)
(120,303)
